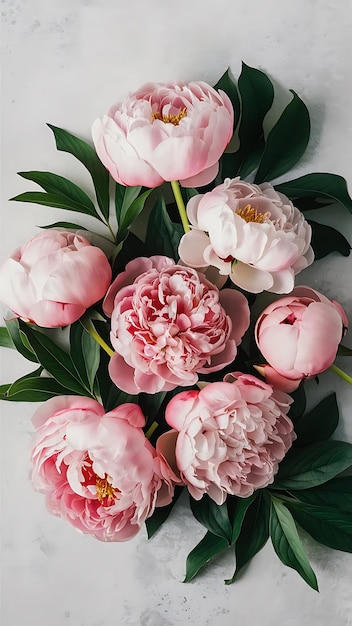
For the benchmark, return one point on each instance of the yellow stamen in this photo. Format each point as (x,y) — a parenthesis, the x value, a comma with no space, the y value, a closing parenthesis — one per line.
(104,490)
(250,214)
(169,119)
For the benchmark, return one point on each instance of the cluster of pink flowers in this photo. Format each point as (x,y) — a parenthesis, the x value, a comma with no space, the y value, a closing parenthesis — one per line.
(170,326)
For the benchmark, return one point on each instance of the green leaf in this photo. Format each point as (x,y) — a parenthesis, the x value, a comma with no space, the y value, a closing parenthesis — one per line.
(326,239)
(124,196)
(53,200)
(299,405)
(227,84)
(55,360)
(313,465)
(286,142)
(287,544)
(20,340)
(253,535)
(5,338)
(319,185)
(161,514)
(91,357)
(319,423)
(257,94)
(239,507)
(205,550)
(130,213)
(60,186)
(344,351)
(85,354)
(213,516)
(88,157)
(32,389)
(69,225)
(336,493)
(329,526)
(163,236)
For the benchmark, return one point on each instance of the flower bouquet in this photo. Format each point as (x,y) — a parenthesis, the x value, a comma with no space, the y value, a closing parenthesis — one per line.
(170,380)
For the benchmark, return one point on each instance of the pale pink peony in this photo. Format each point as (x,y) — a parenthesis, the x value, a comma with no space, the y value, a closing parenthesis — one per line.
(165,132)
(98,471)
(249,232)
(168,324)
(299,335)
(54,278)
(227,438)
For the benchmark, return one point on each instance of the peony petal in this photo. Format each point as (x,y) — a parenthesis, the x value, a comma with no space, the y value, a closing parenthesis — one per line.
(250,278)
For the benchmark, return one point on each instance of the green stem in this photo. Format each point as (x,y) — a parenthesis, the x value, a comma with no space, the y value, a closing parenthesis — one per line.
(90,328)
(151,429)
(111,231)
(180,205)
(341,373)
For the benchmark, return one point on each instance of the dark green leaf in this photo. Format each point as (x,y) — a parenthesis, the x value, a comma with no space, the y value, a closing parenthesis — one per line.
(5,338)
(124,196)
(55,360)
(163,236)
(69,225)
(299,405)
(287,544)
(319,423)
(319,185)
(257,94)
(33,389)
(329,526)
(344,351)
(213,516)
(238,508)
(313,465)
(161,514)
(60,186)
(85,354)
(91,357)
(326,239)
(254,534)
(205,550)
(86,155)
(336,493)
(286,141)
(53,200)
(310,203)
(20,340)
(227,84)
(130,213)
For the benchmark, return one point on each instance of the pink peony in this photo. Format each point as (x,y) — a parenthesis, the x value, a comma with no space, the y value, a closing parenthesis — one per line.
(168,324)
(97,470)
(54,278)
(227,438)
(165,132)
(299,336)
(249,232)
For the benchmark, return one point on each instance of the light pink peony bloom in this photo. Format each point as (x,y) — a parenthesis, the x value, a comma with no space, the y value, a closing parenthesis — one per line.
(165,132)
(54,278)
(249,232)
(227,438)
(299,336)
(98,471)
(168,324)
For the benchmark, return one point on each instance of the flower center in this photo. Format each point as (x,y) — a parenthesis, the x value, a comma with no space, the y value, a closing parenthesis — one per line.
(105,491)
(250,214)
(169,119)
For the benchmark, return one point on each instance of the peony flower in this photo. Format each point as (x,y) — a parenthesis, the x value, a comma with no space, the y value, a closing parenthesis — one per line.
(227,438)
(168,324)
(54,278)
(165,132)
(251,233)
(299,336)
(98,471)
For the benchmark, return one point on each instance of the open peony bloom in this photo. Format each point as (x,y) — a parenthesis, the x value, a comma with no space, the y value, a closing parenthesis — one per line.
(98,471)
(168,323)
(54,278)
(227,438)
(165,132)
(299,336)
(249,232)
